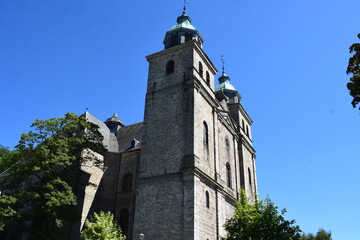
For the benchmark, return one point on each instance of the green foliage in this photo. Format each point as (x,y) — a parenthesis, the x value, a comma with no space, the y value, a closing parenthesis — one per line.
(3,150)
(260,221)
(39,187)
(6,209)
(8,159)
(320,235)
(102,227)
(354,69)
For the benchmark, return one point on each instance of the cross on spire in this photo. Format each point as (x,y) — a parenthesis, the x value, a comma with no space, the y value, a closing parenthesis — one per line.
(223,63)
(185,3)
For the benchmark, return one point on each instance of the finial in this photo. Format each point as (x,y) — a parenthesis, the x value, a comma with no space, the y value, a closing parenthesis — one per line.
(115,115)
(185,2)
(223,63)
(87,109)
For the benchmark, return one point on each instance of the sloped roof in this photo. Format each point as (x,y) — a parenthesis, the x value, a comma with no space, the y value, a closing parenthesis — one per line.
(126,134)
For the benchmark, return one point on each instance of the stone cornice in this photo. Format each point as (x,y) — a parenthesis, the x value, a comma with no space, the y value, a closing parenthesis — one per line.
(171,50)
(247,145)
(239,107)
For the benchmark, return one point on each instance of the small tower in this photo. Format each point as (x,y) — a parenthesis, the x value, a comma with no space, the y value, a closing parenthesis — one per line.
(226,93)
(114,123)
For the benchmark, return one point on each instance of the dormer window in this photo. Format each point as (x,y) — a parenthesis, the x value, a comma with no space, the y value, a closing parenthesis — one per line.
(170,66)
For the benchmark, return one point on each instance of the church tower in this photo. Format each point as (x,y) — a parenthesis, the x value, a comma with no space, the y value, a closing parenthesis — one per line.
(195,154)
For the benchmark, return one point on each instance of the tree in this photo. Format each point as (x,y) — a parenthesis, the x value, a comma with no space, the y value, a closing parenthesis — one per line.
(37,191)
(320,235)
(3,150)
(102,227)
(7,158)
(260,221)
(354,69)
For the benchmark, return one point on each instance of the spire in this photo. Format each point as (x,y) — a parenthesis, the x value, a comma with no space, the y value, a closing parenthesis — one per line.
(224,78)
(184,12)
(225,87)
(223,63)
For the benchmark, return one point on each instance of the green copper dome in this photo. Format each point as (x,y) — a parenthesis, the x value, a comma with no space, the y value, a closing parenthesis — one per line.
(184,21)
(182,32)
(224,81)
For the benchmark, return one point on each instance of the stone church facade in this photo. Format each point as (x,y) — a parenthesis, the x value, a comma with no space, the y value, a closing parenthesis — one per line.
(177,174)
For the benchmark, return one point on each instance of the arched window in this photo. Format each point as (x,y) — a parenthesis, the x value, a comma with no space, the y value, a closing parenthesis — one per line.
(201,71)
(207,78)
(205,135)
(228,175)
(170,66)
(207,199)
(250,182)
(127,182)
(124,221)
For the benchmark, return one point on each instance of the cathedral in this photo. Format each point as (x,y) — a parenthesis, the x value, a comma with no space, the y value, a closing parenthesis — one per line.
(177,174)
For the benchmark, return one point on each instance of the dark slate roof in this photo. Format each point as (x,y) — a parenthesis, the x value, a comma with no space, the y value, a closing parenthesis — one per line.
(126,134)
(114,118)
(122,141)
(110,141)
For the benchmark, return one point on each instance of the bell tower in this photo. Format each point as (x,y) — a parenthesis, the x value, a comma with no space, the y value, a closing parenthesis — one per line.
(189,171)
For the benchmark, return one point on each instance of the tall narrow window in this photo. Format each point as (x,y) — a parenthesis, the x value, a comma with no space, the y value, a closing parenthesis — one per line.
(207,199)
(124,221)
(170,66)
(205,141)
(127,182)
(247,130)
(228,175)
(201,71)
(243,124)
(205,135)
(250,182)
(207,78)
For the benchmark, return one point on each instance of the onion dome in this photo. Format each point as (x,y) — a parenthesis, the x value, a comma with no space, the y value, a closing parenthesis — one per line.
(114,123)
(226,89)
(224,83)
(182,32)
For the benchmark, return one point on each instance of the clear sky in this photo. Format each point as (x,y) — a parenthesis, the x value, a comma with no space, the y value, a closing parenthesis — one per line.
(287,58)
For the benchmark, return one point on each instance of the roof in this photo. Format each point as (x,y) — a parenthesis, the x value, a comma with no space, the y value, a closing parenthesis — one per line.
(114,118)
(109,141)
(224,83)
(127,134)
(184,24)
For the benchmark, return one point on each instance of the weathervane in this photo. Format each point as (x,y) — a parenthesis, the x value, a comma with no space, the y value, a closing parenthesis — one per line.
(223,63)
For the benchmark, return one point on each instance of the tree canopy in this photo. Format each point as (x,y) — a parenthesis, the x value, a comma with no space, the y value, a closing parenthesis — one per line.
(37,191)
(353,69)
(320,235)
(260,221)
(102,226)
(7,158)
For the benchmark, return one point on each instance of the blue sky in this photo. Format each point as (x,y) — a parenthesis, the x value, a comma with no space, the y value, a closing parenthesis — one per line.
(287,58)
